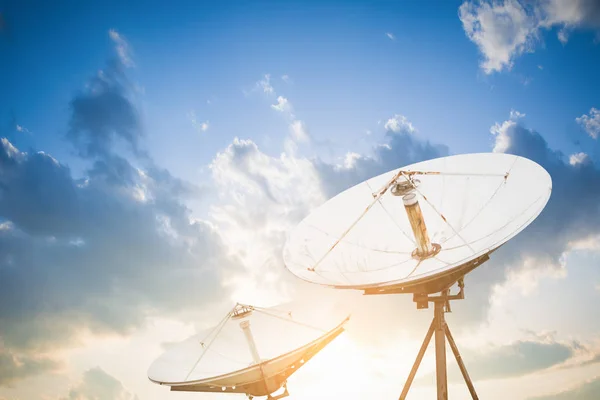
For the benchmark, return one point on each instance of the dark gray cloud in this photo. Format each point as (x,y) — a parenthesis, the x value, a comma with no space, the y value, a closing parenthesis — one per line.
(569,216)
(573,208)
(104,114)
(99,253)
(589,10)
(588,391)
(14,368)
(98,385)
(517,359)
(402,148)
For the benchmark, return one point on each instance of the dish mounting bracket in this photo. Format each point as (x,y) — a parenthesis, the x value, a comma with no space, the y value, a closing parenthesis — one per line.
(276,397)
(281,395)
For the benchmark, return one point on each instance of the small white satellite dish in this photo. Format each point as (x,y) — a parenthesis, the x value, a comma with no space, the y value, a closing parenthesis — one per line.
(415,225)
(419,229)
(253,350)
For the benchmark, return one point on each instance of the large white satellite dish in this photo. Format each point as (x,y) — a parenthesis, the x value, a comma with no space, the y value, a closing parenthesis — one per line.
(253,350)
(419,229)
(419,223)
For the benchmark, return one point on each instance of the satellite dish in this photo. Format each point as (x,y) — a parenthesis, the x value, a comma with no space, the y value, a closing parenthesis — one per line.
(253,350)
(408,229)
(420,229)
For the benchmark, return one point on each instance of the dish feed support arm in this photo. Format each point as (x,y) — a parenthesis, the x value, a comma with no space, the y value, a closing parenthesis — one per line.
(245,325)
(442,332)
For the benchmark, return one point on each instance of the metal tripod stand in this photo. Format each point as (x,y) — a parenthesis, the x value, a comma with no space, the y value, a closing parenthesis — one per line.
(442,332)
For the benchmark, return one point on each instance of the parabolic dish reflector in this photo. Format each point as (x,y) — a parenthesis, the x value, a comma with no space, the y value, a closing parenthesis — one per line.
(471,204)
(252,350)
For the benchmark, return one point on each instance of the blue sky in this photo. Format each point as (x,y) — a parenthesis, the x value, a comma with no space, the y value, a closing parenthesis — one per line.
(346,73)
(188,138)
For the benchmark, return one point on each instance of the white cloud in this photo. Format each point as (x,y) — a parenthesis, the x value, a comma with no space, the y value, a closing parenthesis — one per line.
(501,30)
(283,105)
(591,122)
(21,128)
(265,84)
(399,123)
(578,158)
(15,367)
(390,35)
(350,160)
(11,151)
(514,115)
(505,29)
(122,47)
(286,78)
(98,385)
(199,126)
(590,243)
(298,134)
(563,36)
(502,131)
(299,131)
(570,13)
(263,197)
(527,276)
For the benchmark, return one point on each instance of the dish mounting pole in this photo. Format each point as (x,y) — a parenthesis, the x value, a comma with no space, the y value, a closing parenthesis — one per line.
(442,332)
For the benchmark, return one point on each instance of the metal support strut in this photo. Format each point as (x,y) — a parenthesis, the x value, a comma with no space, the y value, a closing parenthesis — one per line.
(440,351)
(442,332)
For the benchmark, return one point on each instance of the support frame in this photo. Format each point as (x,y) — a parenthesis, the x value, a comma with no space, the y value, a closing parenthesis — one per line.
(440,329)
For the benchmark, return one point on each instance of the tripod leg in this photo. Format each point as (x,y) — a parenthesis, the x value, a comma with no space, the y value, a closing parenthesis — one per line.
(415,366)
(440,352)
(461,365)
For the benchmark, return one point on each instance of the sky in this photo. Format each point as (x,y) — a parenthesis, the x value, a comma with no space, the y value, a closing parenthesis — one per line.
(154,156)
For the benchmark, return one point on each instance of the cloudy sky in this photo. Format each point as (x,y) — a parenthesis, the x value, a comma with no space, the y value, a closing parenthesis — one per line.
(154,156)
